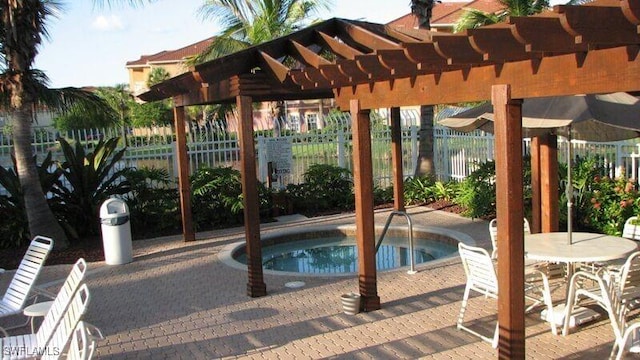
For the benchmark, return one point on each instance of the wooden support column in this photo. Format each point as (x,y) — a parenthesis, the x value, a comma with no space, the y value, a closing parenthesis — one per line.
(549,198)
(365,230)
(535,186)
(184,187)
(255,286)
(509,207)
(396,158)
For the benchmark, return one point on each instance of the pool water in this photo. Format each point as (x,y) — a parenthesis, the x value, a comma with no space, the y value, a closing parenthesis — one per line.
(340,255)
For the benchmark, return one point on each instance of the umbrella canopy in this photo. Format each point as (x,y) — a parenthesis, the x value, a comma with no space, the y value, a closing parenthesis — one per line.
(606,117)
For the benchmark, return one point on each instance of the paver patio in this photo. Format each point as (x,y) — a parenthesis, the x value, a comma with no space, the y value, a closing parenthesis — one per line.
(179,301)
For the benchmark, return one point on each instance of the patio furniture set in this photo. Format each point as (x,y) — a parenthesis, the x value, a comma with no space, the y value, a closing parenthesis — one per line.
(601,268)
(62,332)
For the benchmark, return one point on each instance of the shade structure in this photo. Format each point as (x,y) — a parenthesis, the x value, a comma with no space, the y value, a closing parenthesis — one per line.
(604,117)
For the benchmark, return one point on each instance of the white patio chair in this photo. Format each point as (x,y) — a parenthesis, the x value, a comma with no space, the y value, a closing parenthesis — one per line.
(481,277)
(607,295)
(67,325)
(631,230)
(25,345)
(626,280)
(84,342)
(22,285)
(493,233)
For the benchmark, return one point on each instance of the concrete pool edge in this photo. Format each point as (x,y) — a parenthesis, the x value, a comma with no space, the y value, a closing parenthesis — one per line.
(443,234)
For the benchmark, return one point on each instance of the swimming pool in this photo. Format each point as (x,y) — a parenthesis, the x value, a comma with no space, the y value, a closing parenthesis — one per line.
(331,250)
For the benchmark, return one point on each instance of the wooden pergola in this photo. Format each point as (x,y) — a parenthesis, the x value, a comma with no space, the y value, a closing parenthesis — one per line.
(592,48)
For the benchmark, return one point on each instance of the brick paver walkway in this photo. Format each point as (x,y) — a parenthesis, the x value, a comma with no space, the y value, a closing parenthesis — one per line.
(179,301)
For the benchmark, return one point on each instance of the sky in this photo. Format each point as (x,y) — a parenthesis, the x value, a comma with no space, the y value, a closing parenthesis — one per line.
(89,46)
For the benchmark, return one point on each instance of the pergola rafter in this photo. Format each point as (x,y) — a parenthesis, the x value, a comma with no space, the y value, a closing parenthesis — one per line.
(593,48)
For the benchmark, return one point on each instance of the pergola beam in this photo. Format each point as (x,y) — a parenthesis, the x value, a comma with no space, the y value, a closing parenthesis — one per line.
(601,71)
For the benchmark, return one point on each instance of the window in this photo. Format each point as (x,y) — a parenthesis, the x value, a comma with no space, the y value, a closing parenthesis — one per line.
(293,122)
(312,121)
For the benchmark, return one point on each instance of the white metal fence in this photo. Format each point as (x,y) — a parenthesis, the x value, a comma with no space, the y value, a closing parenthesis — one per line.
(456,154)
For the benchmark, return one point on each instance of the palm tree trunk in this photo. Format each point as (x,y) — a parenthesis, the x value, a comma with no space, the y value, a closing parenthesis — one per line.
(41,219)
(424,167)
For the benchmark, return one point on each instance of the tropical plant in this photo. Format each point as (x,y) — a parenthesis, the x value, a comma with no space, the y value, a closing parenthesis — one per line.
(81,116)
(477,193)
(14,229)
(474,18)
(217,197)
(154,206)
(246,23)
(92,177)
(418,190)
(22,28)
(157,75)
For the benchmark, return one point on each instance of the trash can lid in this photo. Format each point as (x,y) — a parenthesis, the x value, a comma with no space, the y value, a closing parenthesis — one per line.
(113,206)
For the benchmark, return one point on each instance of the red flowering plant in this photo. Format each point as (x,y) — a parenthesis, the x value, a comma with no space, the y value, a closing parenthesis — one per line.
(611,202)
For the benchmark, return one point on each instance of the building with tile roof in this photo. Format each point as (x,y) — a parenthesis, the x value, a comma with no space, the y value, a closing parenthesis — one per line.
(445,14)
(174,61)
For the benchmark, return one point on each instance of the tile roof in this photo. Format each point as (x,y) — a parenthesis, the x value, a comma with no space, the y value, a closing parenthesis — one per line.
(445,14)
(172,55)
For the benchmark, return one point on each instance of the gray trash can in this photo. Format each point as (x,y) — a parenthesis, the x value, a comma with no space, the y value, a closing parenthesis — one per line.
(116,232)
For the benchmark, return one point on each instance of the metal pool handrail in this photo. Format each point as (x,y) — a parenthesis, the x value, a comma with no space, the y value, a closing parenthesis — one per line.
(412,269)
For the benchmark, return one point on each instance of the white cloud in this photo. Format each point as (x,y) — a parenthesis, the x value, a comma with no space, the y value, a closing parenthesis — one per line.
(107,23)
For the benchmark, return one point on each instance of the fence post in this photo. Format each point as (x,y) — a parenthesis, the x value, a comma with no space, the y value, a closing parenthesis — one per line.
(263,171)
(341,145)
(414,147)
(446,165)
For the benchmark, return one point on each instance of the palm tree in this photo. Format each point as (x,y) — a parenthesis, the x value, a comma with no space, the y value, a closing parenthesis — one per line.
(23,26)
(250,22)
(473,18)
(422,10)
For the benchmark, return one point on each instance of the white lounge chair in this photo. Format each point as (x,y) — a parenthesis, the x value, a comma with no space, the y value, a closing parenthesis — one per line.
(481,277)
(84,342)
(17,294)
(24,346)
(67,325)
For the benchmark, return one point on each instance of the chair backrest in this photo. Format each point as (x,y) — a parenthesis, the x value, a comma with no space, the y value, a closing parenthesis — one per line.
(478,267)
(67,325)
(25,277)
(630,278)
(61,302)
(493,233)
(631,230)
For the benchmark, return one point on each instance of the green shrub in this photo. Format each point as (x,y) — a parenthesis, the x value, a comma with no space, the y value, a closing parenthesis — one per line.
(217,198)
(418,190)
(153,205)
(477,193)
(325,188)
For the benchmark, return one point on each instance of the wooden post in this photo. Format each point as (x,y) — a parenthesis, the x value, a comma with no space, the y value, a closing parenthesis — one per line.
(549,201)
(509,204)
(396,158)
(365,230)
(536,211)
(183,175)
(255,286)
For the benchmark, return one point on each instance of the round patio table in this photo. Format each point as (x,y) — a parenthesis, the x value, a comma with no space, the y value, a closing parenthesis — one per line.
(585,247)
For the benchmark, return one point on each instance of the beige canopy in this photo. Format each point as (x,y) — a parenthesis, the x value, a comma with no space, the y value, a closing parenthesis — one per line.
(606,117)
